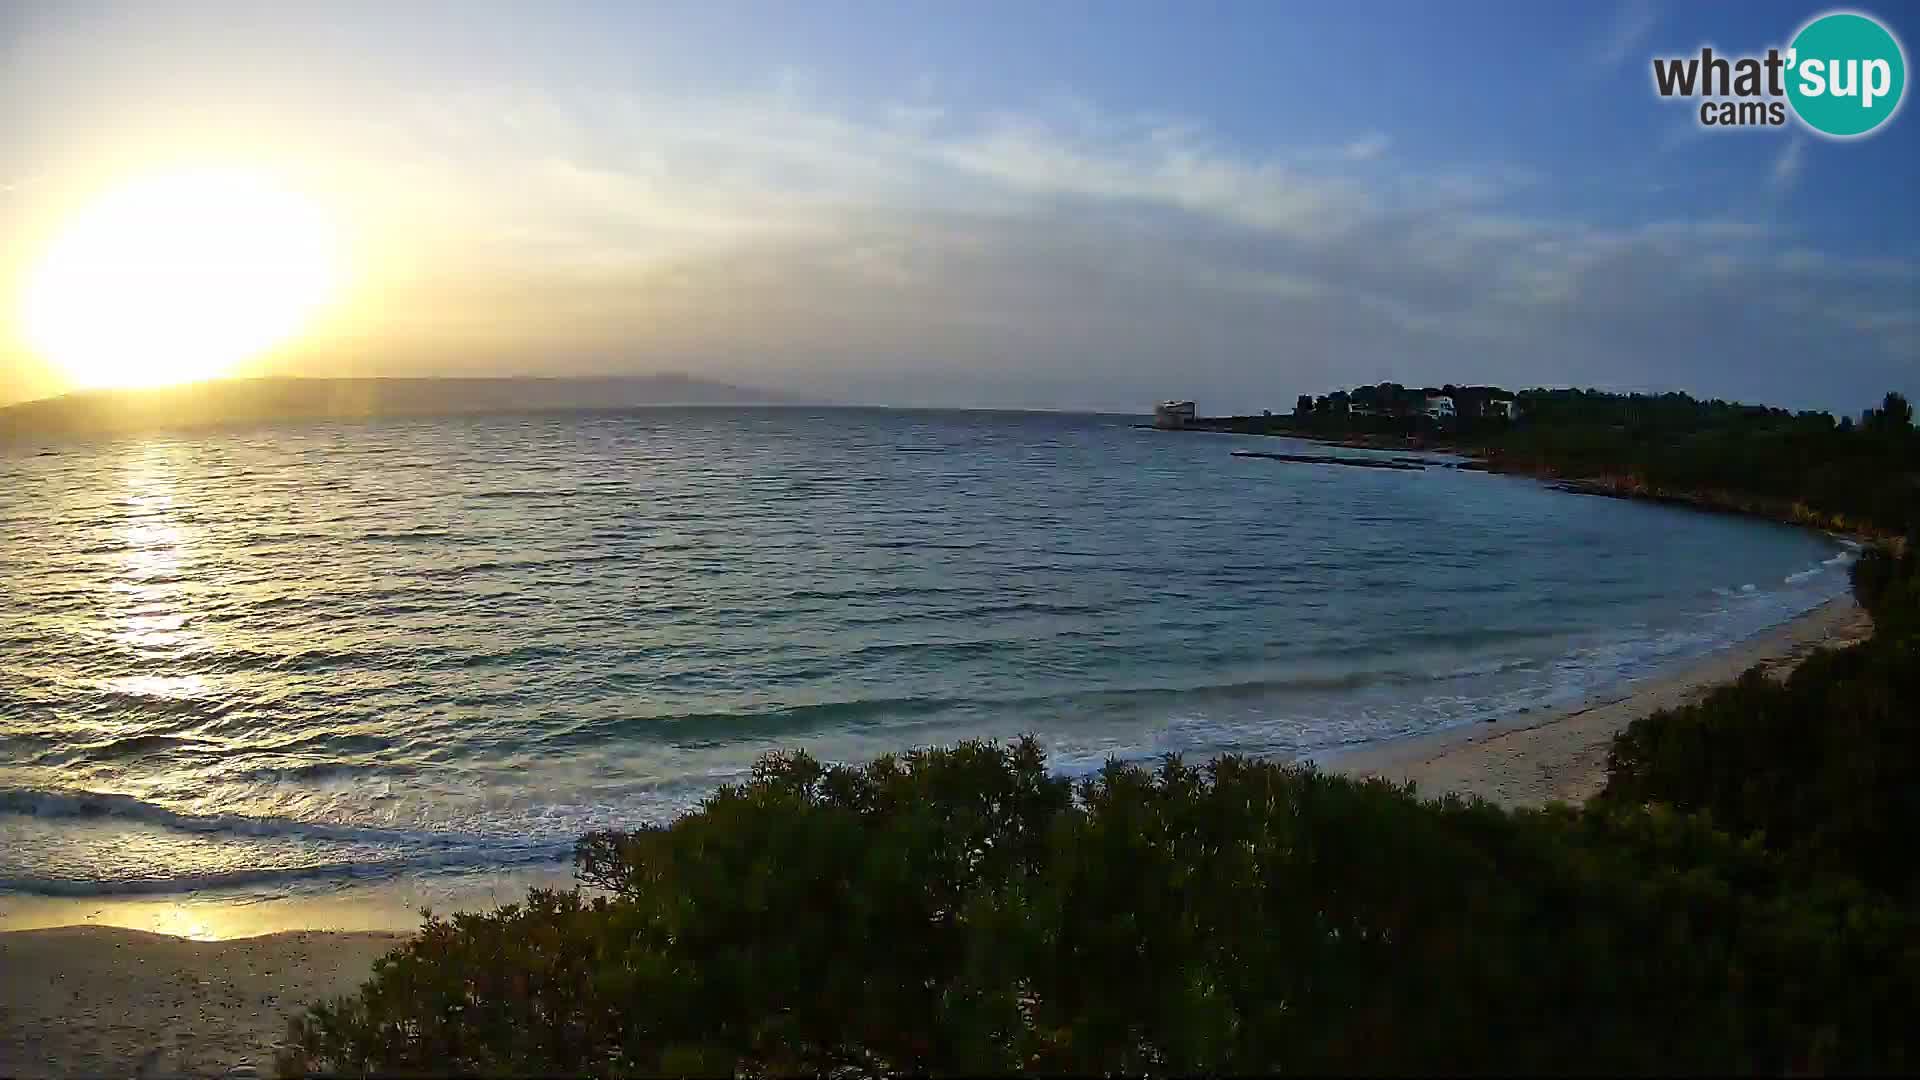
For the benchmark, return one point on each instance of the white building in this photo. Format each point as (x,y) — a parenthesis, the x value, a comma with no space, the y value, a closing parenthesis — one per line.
(1501,407)
(1440,406)
(1172,414)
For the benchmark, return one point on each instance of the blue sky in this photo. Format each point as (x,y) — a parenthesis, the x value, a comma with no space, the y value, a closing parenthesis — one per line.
(1051,205)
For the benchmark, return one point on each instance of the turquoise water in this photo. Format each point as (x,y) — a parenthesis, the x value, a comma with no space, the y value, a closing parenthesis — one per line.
(300,657)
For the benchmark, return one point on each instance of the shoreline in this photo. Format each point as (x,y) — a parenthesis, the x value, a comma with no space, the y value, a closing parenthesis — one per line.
(388,906)
(1561,756)
(1528,759)
(91,992)
(1487,460)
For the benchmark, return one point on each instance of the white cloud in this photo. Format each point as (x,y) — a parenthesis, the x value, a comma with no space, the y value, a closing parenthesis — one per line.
(1787,166)
(1167,170)
(1625,34)
(1367,147)
(775,239)
(1064,255)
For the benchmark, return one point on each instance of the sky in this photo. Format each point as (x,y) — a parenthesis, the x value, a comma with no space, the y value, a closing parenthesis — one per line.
(999,204)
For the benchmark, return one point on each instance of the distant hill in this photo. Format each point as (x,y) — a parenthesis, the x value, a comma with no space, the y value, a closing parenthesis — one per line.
(253,400)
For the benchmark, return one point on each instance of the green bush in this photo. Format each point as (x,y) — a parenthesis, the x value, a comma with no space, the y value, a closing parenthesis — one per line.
(1824,768)
(1795,466)
(1738,899)
(1886,581)
(959,910)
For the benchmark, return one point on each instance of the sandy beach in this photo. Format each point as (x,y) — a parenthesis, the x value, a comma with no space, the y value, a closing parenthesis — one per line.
(1562,757)
(106,1001)
(102,1000)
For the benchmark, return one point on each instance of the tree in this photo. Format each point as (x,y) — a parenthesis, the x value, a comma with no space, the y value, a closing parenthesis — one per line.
(1894,415)
(966,911)
(1303,405)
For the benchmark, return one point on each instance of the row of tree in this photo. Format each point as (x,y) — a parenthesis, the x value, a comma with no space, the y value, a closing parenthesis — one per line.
(1391,399)
(1677,412)
(1803,466)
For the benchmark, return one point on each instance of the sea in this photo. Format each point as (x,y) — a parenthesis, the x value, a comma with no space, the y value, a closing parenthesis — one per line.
(291,660)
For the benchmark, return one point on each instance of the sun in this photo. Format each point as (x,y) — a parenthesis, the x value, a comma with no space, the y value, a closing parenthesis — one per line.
(177,277)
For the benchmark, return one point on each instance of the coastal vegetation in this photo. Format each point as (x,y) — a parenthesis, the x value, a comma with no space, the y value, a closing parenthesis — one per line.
(1738,900)
(1824,767)
(1804,467)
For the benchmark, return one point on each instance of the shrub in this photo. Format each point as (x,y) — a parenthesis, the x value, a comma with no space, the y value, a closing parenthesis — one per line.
(961,911)
(1823,768)
(1886,581)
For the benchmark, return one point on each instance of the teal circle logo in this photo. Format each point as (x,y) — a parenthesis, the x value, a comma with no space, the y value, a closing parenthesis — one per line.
(1846,74)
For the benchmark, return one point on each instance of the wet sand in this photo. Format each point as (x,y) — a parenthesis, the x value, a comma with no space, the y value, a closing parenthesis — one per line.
(1532,760)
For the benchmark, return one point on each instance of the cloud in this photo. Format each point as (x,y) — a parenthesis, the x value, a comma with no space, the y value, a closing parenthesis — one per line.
(1125,256)
(751,163)
(1367,147)
(1165,169)
(1631,24)
(1787,165)
(1060,255)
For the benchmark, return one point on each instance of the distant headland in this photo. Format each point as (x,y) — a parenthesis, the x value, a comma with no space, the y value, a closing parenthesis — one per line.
(1805,467)
(229,401)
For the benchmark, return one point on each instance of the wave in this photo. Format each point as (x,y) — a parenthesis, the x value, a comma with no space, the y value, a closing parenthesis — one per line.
(715,727)
(521,493)
(1024,607)
(1843,558)
(783,719)
(957,650)
(125,747)
(926,545)
(126,702)
(496,566)
(329,872)
(1441,640)
(894,592)
(1308,682)
(413,536)
(90,805)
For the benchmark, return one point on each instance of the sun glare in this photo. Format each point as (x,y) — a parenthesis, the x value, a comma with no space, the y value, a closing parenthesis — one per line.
(179,277)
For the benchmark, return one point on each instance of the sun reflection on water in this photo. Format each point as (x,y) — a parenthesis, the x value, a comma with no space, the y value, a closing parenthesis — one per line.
(153,614)
(148,614)
(286,662)
(175,687)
